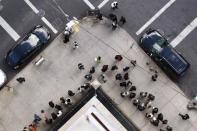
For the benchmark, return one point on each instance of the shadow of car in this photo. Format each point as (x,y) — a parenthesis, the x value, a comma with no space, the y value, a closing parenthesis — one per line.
(24,50)
(157,47)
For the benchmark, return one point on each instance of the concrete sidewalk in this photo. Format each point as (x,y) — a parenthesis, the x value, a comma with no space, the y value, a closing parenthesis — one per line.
(59,73)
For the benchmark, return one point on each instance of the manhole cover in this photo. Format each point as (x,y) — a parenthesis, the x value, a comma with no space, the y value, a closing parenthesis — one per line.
(41,13)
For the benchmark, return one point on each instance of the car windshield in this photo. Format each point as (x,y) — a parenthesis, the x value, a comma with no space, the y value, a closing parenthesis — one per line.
(41,34)
(159,45)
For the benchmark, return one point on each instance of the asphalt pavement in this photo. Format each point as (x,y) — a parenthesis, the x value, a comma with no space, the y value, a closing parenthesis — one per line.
(172,21)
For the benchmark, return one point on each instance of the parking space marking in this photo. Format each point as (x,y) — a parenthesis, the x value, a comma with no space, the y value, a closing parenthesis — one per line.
(9,29)
(188,29)
(102,3)
(43,18)
(155,17)
(89,4)
(49,25)
(32,6)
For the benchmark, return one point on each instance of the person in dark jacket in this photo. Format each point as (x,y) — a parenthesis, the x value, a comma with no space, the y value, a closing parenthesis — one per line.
(104,68)
(51,104)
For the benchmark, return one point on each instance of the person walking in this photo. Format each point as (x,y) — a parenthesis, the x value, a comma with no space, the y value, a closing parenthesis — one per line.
(98,60)
(92,70)
(104,68)
(114,67)
(122,20)
(118,58)
(58,107)
(81,66)
(184,117)
(75,45)
(20,80)
(114,5)
(126,76)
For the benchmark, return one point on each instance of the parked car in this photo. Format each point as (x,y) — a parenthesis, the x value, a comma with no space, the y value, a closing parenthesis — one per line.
(32,43)
(3,78)
(157,47)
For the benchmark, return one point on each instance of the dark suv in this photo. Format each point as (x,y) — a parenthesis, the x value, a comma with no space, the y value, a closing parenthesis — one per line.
(158,48)
(21,53)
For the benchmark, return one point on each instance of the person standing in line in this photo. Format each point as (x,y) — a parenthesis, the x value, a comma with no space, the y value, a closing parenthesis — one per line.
(114,5)
(37,119)
(113,17)
(81,66)
(126,76)
(114,67)
(122,20)
(92,70)
(99,16)
(88,77)
(118,58)
(20,80)
(104,68)
(154,77)
(118,76)
(184,117)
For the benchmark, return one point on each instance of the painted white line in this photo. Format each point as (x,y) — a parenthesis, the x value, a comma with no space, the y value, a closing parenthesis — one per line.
(102,3)
(32,6)
(89,4)
(49,25)
(188,29)
(9,29)
(155,17)
(43,18)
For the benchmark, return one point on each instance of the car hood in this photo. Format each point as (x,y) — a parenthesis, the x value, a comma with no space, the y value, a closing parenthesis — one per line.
(174,59)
